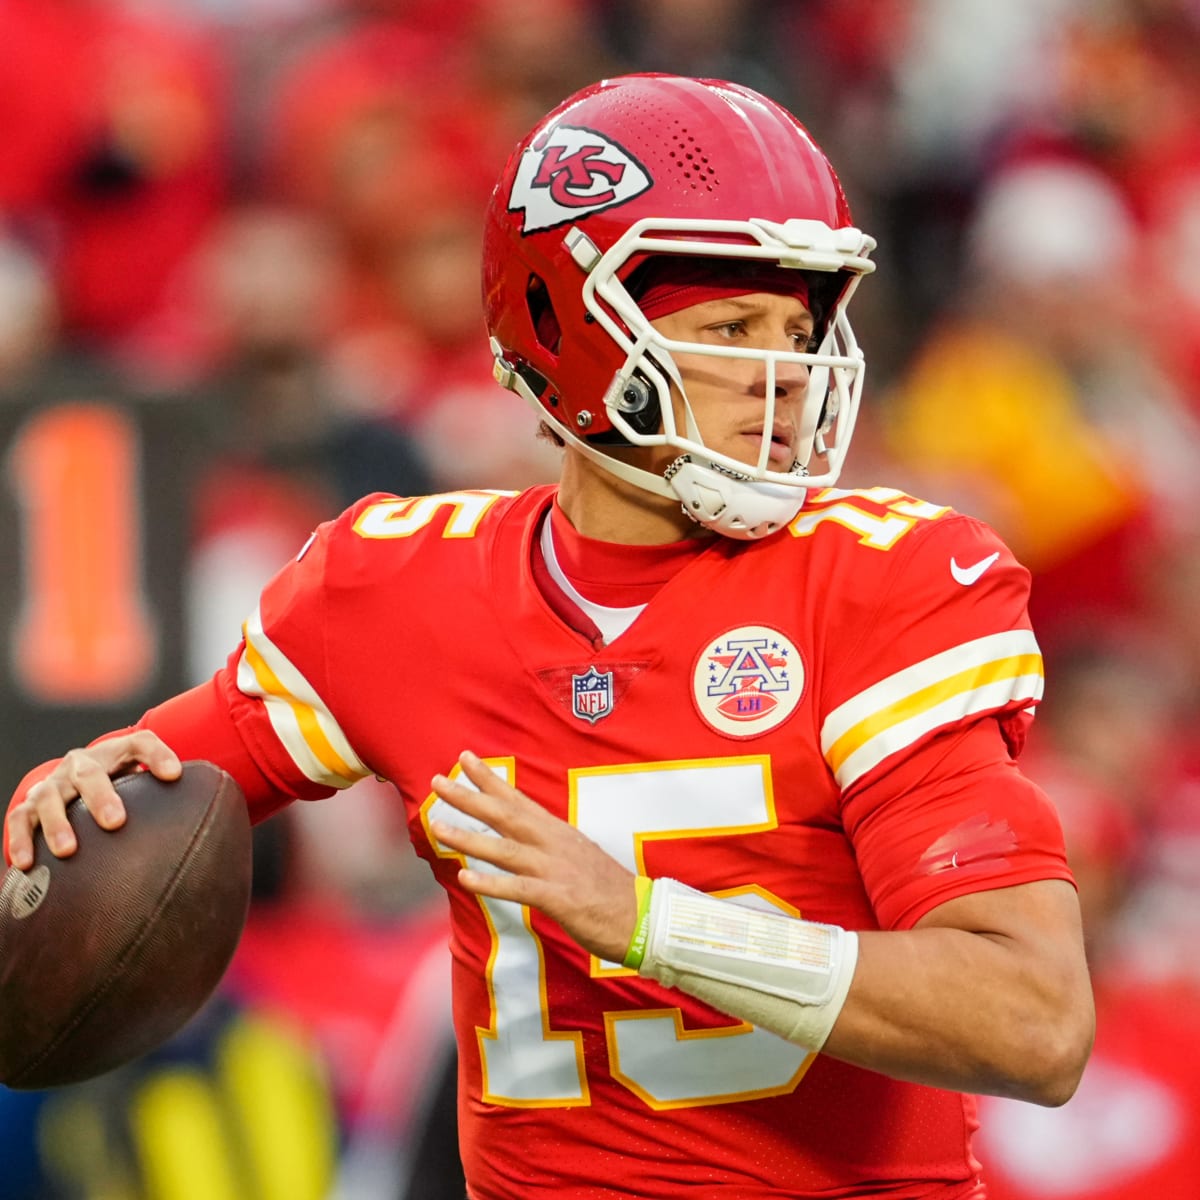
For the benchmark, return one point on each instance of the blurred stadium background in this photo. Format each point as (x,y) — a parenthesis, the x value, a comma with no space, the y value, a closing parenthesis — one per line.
(239,287)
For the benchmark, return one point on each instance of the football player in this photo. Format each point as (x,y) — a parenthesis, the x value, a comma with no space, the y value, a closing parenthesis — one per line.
(716,762)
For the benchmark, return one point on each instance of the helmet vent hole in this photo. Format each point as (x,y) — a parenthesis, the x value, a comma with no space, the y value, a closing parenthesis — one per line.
(546,326)
(692,163)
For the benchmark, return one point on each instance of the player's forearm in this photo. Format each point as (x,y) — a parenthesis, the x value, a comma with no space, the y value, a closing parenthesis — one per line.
(966,1011)
(990,996)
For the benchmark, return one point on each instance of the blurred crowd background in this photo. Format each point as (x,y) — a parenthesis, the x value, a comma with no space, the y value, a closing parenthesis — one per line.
(239,287)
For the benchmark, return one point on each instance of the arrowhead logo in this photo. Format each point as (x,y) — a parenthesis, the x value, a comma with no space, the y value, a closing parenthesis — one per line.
(972,574)
(570,173)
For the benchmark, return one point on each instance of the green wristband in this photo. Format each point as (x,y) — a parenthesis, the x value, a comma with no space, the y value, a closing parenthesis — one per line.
(641,931)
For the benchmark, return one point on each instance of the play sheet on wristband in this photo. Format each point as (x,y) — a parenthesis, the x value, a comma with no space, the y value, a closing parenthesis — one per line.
(694,923)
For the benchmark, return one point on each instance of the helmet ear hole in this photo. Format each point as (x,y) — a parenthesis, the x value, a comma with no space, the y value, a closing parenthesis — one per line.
(639,403)
(546,326)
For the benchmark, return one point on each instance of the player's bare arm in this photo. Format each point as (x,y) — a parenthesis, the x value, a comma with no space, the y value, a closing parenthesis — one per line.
(989,994)
(86,773)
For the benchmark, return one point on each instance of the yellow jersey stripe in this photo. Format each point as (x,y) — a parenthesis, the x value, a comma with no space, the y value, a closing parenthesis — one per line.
(974,677)
(964,682)
(304,725)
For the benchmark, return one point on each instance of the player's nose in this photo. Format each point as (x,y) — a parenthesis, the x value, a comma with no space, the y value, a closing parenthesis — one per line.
(788,377)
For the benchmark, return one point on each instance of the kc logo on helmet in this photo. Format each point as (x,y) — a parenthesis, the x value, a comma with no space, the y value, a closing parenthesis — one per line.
(570,173)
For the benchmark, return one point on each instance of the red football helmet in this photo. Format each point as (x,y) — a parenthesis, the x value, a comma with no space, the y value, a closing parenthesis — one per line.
(658,164)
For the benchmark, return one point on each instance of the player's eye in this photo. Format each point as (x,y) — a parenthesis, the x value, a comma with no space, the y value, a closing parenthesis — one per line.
(729,329)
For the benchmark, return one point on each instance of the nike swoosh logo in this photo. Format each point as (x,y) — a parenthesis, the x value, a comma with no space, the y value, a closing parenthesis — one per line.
(969,575)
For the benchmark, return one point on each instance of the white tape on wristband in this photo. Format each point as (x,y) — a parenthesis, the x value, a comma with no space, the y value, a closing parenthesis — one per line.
(779,972)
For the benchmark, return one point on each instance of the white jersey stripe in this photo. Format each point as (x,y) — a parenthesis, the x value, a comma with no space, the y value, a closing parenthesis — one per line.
(904,734)
(302,722)
(972,678)
(929,697)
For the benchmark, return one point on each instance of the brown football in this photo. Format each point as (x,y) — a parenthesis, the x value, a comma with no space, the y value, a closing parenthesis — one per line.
(104,955)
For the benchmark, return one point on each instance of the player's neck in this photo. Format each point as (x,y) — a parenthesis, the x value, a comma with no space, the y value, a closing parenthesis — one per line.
(608,509)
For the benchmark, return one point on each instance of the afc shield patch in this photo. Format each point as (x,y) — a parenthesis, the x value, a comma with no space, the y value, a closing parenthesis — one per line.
(570,173)
(748,681)
(592,695)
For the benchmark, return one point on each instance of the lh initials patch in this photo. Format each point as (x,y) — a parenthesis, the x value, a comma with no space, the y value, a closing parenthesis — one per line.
(747,681)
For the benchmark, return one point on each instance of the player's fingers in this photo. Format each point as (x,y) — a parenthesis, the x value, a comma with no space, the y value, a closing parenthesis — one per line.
(21,822)
(83,774)
(518,888)
(92,771)
(484,778)
(474,801)
(143,748)
(45,805)
(500,852)
(86,774)
(518,813)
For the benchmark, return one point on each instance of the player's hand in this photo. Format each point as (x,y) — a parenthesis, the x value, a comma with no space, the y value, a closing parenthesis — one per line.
(550,865)
(86,773)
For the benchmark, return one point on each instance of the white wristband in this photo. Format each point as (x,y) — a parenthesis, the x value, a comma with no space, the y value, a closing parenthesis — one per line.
(779,972)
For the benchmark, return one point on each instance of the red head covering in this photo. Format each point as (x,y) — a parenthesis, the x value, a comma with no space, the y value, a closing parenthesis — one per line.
(667,283)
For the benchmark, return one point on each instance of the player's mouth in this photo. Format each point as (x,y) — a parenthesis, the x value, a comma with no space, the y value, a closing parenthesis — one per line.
(782,453)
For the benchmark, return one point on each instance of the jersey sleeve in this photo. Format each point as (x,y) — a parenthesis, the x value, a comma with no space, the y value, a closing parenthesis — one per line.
(954,817)
(280,684)
(946,638)
(199,724)
(925,717)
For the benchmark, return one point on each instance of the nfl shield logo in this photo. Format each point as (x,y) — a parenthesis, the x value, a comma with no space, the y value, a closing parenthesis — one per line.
(592,694)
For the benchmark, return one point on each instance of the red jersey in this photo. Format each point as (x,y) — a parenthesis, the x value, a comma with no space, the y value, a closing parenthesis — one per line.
(788,721)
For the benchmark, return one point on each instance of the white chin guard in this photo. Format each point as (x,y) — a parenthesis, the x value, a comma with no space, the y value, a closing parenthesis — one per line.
(736,508)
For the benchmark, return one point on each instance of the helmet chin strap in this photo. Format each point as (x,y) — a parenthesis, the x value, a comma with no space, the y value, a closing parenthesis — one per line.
(744,509)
